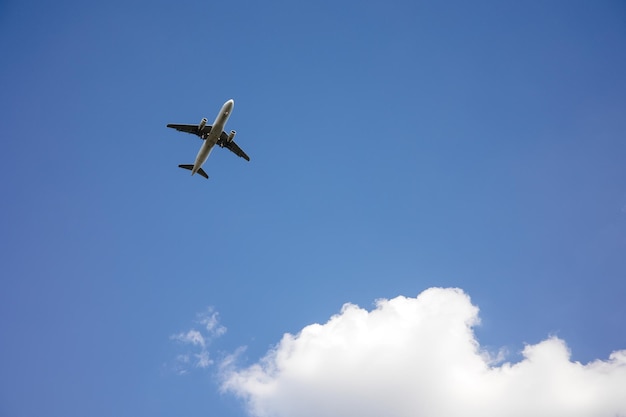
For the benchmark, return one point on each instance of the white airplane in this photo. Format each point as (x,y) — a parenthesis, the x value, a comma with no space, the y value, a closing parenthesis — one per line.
(212,135)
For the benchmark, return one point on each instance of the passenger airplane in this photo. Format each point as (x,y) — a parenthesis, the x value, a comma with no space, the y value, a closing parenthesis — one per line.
(212,135)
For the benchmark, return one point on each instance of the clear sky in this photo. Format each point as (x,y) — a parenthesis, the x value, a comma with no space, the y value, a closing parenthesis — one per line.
(395,147)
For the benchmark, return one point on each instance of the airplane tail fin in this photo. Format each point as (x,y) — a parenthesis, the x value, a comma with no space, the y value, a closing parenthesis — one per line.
(190,168)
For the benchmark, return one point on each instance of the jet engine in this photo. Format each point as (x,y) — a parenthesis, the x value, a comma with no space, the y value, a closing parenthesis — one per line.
(202,124)
(231,136)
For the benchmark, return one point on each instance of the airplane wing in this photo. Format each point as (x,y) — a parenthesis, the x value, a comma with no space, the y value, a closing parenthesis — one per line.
(232,146)
(236,150)
(191,129)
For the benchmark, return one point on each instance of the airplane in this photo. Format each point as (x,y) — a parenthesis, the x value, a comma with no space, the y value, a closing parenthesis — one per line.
(212,135)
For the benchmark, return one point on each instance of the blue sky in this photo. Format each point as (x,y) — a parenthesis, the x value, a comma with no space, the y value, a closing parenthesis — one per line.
(395,147)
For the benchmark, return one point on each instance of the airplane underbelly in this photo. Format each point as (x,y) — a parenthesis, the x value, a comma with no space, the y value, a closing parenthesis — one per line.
(204,153)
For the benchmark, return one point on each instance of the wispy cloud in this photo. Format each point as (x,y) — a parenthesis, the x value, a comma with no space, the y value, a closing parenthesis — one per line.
(210,320)
(198,341)
(413,357)
(202,359)
(192,337)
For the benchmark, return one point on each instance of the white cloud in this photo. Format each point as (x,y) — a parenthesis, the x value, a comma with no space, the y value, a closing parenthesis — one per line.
(192,337)
(414,357)
(202,359)
(198,341)
(210,320)
(181,364)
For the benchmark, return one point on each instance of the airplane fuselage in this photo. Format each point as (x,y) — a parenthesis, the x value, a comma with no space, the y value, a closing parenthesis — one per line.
(212,137)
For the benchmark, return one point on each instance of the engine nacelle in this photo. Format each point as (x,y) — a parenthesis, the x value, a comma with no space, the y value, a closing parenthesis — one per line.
(202,124)
(231,136)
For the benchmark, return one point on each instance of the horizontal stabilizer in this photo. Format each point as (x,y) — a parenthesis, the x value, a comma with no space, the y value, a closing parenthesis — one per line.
(204,174)
(190,168)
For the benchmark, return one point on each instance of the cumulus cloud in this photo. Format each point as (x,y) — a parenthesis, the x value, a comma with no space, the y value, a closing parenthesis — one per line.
(413,357)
